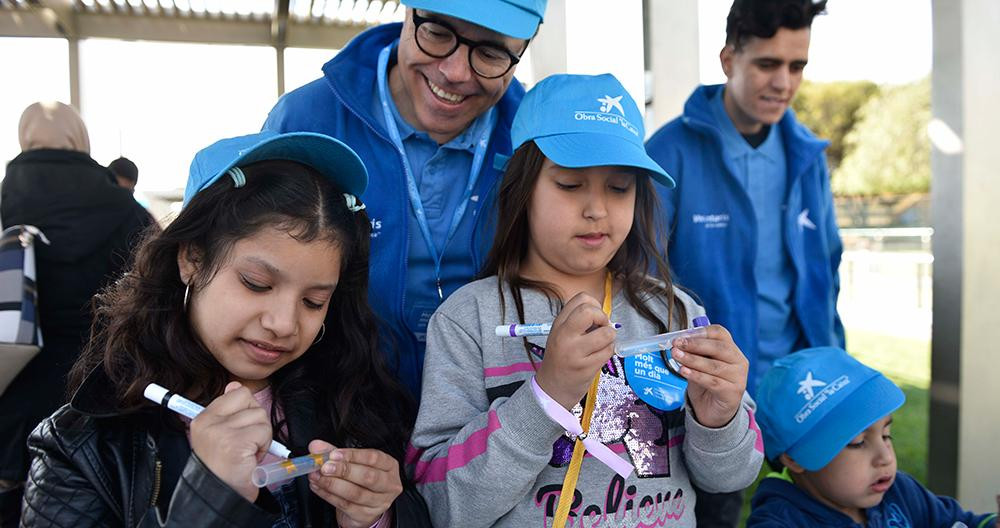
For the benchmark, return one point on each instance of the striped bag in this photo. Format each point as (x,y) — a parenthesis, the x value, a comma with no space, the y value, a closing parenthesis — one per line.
(20,334)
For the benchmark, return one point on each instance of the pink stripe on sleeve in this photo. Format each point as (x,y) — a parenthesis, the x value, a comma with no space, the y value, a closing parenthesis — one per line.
(759,443)
(458,455)
(506,370)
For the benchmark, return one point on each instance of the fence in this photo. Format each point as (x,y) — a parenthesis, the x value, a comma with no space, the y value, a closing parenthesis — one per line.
(885,280)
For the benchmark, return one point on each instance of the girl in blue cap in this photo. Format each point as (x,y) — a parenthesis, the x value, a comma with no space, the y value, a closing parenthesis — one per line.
(253,303)
(504,423)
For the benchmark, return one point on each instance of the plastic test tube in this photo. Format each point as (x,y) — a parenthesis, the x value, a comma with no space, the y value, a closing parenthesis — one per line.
(655,344)
(287,469)
(660,342)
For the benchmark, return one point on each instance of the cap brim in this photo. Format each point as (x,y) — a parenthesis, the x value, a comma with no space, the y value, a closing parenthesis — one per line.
(588,149)
(873,400)
(328,156)
(501,17)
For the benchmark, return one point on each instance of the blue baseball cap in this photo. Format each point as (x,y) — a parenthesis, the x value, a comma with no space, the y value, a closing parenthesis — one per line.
(514,18)
(326,155)
(585,121)
(813,402)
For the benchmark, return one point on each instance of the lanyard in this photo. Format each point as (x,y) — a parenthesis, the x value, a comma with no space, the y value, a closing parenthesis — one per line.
(411,184)
(573,472)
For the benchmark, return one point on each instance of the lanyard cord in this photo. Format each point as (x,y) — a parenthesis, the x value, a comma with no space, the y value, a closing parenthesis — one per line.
(411,185)
(573,473)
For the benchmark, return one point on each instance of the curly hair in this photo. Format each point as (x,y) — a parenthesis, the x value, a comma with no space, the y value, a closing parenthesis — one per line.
(142,334)
(763,18)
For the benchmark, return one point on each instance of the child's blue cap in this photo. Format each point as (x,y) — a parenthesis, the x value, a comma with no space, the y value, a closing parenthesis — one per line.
(585,121)
(514,18)
(326,155)
(813,402)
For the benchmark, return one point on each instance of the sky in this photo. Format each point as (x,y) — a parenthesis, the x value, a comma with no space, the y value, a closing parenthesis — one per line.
(158,103)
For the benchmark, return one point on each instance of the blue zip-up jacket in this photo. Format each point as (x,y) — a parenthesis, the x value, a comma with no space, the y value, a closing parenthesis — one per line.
(713,229)
(340,105)
(907,504)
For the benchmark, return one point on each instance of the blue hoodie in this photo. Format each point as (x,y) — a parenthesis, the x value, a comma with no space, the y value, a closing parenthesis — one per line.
(340,105)
(907,504)
(713,228)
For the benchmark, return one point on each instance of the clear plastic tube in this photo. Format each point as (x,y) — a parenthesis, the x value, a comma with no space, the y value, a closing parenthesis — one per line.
(655,344)
(287,469)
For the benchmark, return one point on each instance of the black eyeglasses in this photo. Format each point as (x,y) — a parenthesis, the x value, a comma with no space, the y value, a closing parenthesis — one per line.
(439,40)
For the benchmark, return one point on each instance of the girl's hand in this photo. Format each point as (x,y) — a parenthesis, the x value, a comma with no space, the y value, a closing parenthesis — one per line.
(716,371)
(361,483)
(231,436)
(580,343)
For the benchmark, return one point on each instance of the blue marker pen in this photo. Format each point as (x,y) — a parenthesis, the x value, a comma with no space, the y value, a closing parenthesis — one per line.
(185,407)
(529,330)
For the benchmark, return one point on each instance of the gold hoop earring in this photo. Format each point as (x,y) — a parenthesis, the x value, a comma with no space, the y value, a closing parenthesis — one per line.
(322,332)
(187,296)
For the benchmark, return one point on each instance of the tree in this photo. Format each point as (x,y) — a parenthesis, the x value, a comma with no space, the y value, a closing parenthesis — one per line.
(830,110)
(888,150)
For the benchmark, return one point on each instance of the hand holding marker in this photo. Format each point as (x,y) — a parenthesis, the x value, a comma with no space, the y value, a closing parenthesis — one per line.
(262,475)
(631,347)
(185,407)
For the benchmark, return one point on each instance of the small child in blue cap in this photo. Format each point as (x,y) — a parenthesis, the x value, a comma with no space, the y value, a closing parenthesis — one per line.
(826,419)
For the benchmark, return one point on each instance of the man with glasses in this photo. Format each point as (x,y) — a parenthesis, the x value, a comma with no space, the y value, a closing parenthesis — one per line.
(428,105)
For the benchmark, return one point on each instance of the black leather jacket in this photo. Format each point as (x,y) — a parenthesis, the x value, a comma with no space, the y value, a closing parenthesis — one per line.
(92,466)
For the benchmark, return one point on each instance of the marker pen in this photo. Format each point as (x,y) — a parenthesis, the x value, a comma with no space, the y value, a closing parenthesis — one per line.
(185,407)
(530,329)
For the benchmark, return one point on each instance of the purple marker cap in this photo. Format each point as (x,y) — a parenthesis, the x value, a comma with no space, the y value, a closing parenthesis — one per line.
(701,320)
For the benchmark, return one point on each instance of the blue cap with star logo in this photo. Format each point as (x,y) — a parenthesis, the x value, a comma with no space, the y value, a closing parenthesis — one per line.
(813,402)
(585,121)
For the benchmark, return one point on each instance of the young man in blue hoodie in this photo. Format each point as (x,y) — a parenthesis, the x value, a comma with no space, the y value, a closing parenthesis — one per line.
(427,104)
(752,227)
(752,221)
(826,423)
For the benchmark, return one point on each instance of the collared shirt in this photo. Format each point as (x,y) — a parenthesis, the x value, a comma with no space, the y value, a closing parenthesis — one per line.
(441,173)
(764,175)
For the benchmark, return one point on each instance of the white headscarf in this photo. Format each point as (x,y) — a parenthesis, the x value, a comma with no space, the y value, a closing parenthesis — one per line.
(52,125)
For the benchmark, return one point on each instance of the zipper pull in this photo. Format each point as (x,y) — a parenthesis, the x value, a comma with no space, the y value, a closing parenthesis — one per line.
(440,293)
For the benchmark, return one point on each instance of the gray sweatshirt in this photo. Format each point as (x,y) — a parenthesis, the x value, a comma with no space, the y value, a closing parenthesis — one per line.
(484,453)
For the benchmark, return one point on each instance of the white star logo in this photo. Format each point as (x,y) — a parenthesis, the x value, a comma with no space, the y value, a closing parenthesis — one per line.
(807,385)
(608,102)
(805,222)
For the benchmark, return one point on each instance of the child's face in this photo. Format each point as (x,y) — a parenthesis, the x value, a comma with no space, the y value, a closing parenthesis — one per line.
(578,219)
(265,306)
(858,477)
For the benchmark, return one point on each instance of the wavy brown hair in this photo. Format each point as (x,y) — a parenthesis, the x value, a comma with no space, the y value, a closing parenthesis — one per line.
(142,333)
(642,267)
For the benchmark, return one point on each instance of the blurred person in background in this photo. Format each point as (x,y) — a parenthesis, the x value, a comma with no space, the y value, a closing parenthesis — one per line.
(751,219)
(92,225)
(125,172)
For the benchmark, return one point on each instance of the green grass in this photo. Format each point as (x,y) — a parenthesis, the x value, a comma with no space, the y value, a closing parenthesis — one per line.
(907,363)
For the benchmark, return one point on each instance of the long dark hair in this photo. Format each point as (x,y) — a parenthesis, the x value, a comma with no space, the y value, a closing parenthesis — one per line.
(642,267)
(142,334)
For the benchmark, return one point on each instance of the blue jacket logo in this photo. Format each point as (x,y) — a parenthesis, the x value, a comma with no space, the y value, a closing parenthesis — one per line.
(805,222)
